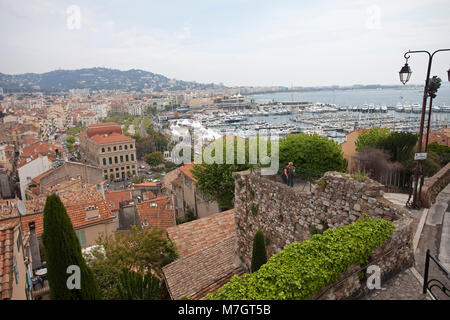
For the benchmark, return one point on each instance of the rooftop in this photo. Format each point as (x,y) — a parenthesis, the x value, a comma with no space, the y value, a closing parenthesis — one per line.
(157,213)
(202,233)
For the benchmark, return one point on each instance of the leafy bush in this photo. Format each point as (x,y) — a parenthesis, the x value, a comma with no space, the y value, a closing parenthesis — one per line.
(302,269)
(360,176)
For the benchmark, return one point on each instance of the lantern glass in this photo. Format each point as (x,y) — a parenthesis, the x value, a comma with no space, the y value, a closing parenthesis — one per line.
(405,73)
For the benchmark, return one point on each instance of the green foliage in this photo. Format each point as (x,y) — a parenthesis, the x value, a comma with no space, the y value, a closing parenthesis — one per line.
(138,250)
(255,209)
(360,176)
(217,180)
(259,254)
(442,151)
(62,249)
(188,216)
(302,269)
(106,276)
(70,140)
(322,183)
(154,158)
(135,286)
(375,138)
(311,152)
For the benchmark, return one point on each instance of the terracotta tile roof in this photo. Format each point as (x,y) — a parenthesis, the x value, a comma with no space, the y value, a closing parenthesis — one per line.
(186,169)
(76,213)
(42,148)
(6,259)
(113,137)
(157,213)
(147,184)
(113,197)
(196,275)
(103,128)
(202,233)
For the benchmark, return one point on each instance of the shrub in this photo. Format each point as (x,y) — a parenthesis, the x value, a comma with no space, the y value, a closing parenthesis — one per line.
(302,269)
(259,254)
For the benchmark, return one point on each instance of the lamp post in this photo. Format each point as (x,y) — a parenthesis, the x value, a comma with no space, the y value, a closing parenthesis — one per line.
(405,75)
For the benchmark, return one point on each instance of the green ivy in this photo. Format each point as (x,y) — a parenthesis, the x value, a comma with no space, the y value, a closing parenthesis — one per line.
(255,209)
(302,269)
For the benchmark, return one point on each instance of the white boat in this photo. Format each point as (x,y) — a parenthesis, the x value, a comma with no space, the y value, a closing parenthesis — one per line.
(416,108)
(365,108)
(384,109)
(437,109)
(399,107)
(371,108)
(407,108)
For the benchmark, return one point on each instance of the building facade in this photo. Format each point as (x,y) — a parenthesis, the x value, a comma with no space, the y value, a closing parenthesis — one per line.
(103,145)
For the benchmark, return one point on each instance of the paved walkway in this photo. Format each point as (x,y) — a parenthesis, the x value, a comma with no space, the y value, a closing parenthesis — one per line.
(431,230)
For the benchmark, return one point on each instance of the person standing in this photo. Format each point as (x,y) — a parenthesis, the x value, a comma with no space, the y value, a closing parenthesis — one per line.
(284,174)
(290,174)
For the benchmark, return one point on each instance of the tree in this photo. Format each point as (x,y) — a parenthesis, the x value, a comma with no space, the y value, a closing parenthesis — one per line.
(216,180)
(259,254)
(154,158)
(140,250)
(442,151)
(399,145)
(311,152)
(375,138)
(62,249)
(135,286)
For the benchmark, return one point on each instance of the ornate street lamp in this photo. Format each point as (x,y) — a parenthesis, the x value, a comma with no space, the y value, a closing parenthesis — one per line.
(405,73)
(430,89)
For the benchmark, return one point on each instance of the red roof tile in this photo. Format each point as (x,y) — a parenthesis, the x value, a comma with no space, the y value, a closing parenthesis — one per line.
(186,169)
(113,197)
(202,233)
(113,137)
(157,213)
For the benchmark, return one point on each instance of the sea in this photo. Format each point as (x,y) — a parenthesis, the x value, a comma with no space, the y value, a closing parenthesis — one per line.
(388,97)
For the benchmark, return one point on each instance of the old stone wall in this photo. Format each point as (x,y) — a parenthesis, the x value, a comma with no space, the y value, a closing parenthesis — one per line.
(432,186)
(286,215)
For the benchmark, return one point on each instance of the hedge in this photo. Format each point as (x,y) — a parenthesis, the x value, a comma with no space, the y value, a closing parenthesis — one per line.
(302,269)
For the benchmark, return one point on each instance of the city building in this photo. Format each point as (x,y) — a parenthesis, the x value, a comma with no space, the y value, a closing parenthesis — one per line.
(103,145)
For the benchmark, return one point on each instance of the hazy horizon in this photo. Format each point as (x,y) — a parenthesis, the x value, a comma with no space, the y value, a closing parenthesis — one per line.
(234,42)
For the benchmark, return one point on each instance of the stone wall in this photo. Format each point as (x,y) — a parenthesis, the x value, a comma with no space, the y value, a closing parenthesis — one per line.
(286,215)
(432,186)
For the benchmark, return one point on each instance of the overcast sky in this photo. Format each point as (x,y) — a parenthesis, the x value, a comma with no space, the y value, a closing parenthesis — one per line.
(237,42)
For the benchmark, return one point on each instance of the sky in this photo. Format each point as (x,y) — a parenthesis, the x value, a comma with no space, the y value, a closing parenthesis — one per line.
(234,42)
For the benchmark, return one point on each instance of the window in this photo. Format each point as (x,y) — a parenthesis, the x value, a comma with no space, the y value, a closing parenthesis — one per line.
(126,158)
(132,157)
(132,166)
(123,168)
(109,149)
(105,171)
(117,175)
(117,169)
(131,146)
(106,177)
(103,149)
(128,167)
(81,237)
(16,272)
(110,160)
(121,159)
(126,147)
(115,148)
(104,161)
(115,159)
(111,170)
(134,172)
(120,147)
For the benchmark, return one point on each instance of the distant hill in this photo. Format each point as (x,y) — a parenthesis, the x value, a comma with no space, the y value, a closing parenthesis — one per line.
(95,79)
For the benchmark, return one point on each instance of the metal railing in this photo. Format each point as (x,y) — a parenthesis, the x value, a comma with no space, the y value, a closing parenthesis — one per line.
(430,284)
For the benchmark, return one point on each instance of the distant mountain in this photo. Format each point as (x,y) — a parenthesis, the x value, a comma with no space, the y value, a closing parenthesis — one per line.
(95,79)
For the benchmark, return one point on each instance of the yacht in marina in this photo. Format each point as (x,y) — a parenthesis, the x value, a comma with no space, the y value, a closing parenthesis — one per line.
(384,109)
(407,108)
(416,108)
(365,108)
(399,107)
(371,108)
(437,109)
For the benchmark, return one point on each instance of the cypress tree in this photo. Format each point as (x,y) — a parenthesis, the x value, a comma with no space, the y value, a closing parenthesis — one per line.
(135,286)
(259,255)
(62,249)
